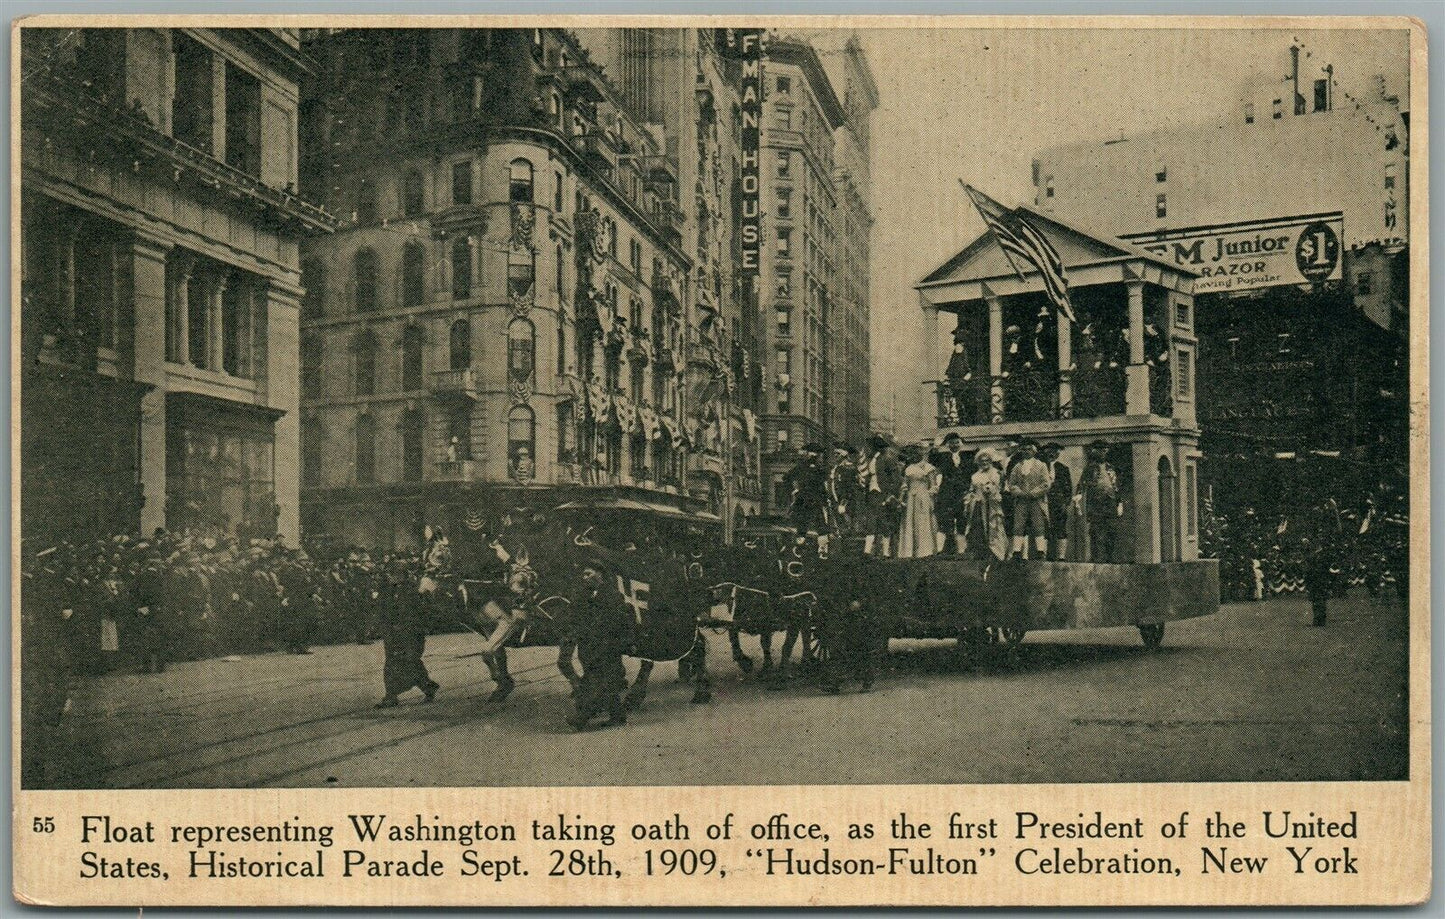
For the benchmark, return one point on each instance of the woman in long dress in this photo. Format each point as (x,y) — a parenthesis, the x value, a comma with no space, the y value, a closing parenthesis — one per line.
(917,539)
(983,534)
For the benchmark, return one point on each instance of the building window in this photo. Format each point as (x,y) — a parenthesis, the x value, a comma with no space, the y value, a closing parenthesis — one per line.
(311,444)
(198,314)
(785,164)
(235,328)
(1364,283)
(785,322)
(313,278)
(411,367)
(785,203)
(557,198)
(1049,187)
(521,181)
(611,237)
(566,433)
(413,274)
(191,112)
(1162,175)
(459,435)
(1181,313)
(1390,175)
(634,256)
(521,441)
(413,196)
(1191,500)
(782,438)
(311,367)
(561,282)
(365,280)
(785,119)
(785,242)
(461,268)
(785,286)
(459,345)
(243,121)
(365,364)
(1322,95)
(462,182)
(785,85)
(1277,109)
(561,346)
(1161,208)
(1186,372)
(1249,113)
(413,430)
(521,350)
(365,448)
(639,457)
(365,202)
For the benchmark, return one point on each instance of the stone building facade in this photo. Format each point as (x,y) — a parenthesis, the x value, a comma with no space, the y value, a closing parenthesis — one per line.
(160,280)
(504,316)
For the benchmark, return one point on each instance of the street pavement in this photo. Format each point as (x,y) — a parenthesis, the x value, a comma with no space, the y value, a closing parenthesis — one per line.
(1252,693)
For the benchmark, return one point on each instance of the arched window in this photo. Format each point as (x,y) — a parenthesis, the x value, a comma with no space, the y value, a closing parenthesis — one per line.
(313,278)
(311,367)
(413,274)
(521,349)
(413,198)
(461,268)
(521,442)
(365,364)
(365,448)
(411,368)
(413,427)
(365,280)
(460,343)
(521,181)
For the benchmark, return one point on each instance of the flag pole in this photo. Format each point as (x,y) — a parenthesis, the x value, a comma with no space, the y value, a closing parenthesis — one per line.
(973,199)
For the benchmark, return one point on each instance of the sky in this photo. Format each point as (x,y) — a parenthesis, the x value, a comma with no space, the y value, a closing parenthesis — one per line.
(979,104)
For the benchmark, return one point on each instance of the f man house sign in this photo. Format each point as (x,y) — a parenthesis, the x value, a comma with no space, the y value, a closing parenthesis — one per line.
(1248,255)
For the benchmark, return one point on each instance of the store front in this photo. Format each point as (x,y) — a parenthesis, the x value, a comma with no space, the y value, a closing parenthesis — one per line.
(220,467)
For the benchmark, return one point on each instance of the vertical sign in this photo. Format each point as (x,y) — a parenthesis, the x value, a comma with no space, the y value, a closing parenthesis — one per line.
(746,47)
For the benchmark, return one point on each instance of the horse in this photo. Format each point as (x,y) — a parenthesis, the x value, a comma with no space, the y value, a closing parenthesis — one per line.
(760,595)
(527,606)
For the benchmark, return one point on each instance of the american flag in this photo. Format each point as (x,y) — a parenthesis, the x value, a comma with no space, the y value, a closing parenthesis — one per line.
(1017,237)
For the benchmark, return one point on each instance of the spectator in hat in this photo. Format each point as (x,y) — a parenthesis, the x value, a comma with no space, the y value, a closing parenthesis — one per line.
(954,472)
(843,488)
(1029,483)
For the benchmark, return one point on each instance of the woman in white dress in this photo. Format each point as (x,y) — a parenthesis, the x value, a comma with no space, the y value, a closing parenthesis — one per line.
(983,534)
(921,479)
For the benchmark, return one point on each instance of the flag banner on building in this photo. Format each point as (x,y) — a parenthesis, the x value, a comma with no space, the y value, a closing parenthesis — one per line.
(1020,239)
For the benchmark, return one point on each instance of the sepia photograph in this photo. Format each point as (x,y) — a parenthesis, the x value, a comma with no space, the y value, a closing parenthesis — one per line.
(579,406)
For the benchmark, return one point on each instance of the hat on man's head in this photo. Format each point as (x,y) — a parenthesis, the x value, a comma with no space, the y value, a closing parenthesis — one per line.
(1051,447)
(812,447)
(950,437)
(1098,446)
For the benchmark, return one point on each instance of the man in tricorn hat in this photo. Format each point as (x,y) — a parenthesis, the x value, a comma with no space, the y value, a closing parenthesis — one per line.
(884,495)
(1061,492)
(955,472)
(808,483)
(1099,486)
(1028,482)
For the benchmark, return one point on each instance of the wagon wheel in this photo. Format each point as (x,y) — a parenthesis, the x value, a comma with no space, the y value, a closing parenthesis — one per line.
(1152,634)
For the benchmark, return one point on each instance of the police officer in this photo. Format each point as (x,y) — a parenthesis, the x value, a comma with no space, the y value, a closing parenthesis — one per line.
(603,630)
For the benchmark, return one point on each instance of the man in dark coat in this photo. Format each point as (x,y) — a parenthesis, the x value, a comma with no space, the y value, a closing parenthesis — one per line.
(885,489)
(808,481)
(843,489)
(955,472)
(603,628)
(1061,493)
(1321,535)
(404,636)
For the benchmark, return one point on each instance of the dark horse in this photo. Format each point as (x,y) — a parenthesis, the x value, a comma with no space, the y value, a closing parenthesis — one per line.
(519,605)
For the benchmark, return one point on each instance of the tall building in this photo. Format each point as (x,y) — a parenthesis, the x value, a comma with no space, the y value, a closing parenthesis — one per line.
(1316,144)
(686,85)
(160,280)
(505,316)
(1292,209)
(816,214)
